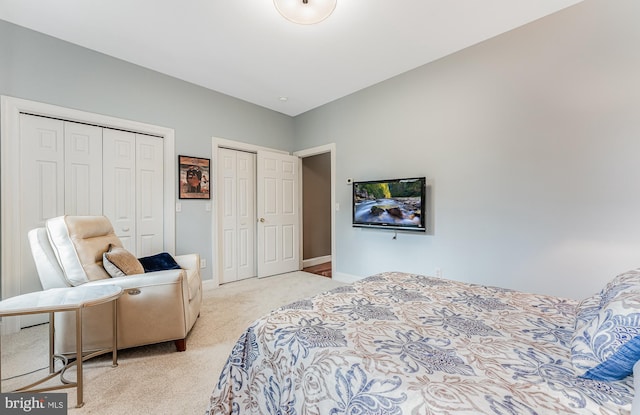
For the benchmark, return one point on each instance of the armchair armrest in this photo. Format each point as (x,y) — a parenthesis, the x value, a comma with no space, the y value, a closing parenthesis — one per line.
(188,261)
(143,280)
(191,264)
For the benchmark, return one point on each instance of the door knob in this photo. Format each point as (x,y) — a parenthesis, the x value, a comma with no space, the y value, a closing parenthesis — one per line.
(125,229)
(262,220)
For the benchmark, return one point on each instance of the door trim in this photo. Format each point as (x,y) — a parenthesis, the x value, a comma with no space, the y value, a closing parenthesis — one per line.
(10,109)
(314,151)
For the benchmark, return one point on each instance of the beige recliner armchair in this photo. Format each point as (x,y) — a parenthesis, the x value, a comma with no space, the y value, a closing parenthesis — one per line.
(155,307)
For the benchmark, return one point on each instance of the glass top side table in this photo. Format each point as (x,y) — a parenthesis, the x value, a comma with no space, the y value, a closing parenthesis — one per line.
(58,300)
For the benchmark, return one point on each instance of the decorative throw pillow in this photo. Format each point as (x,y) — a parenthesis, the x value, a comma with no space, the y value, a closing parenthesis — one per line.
(626,278)
(119,262)
(587,310)
(159,262)
(607,347)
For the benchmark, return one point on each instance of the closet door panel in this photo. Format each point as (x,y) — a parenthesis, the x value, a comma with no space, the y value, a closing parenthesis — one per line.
(227,173)
(236,170)
(83,169)
(119,180)
(149,196)
(246,216)
(42,169)
(41,180)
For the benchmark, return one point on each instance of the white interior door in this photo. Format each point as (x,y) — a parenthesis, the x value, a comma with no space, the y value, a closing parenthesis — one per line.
(278,213)
(236,170)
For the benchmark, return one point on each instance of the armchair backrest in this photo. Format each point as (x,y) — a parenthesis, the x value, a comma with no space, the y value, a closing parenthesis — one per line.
(68,250)
(78,243)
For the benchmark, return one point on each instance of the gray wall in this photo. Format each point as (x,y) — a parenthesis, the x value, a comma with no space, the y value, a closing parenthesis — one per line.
(532,143)
(41,68)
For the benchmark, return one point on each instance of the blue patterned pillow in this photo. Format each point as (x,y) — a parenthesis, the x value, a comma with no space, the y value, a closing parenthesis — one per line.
(607,347)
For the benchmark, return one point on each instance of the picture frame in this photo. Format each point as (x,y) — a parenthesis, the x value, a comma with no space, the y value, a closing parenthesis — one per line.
(194,179)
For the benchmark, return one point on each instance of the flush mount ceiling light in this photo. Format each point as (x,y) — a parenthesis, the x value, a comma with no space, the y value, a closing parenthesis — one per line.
(305,11)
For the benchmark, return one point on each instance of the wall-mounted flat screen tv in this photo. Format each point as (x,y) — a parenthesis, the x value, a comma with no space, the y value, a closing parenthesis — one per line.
(392,204)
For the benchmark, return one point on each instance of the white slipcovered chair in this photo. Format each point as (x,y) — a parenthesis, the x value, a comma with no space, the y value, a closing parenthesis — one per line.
(155,307)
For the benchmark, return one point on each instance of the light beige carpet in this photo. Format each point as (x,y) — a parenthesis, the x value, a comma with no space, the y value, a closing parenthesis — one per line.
(156,379)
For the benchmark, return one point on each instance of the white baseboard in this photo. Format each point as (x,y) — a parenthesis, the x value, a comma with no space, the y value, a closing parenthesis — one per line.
(316,261)
(209,284)
(346,278)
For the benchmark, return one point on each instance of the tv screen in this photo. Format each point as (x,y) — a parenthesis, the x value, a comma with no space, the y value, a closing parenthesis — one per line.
(393,203)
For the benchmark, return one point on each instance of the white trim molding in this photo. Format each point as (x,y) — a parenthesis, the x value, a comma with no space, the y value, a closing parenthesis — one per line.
(310,262)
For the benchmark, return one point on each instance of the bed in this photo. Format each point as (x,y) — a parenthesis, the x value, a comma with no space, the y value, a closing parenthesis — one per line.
(398,343)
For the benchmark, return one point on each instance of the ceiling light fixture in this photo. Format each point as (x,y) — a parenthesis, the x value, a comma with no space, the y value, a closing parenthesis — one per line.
(305,11)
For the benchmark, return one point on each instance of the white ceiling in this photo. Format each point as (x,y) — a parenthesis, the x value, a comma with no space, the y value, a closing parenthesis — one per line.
(245,49)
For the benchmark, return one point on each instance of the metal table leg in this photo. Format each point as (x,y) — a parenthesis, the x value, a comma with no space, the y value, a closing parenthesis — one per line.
(79,359)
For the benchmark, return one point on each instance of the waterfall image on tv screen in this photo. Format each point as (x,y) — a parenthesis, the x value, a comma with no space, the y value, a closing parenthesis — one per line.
(395,203)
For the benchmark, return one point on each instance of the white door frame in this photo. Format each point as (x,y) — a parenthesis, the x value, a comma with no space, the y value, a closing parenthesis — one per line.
(10,109)
(327,148)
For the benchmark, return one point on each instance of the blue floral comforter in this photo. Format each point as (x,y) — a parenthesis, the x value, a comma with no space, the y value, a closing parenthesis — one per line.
(398,343)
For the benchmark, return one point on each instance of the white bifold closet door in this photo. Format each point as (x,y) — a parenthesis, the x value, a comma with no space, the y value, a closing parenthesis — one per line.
(77,169)
(133,189)
(238,186)
(60,172)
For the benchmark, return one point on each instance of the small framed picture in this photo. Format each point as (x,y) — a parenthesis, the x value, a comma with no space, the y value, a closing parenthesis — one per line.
(194,177)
